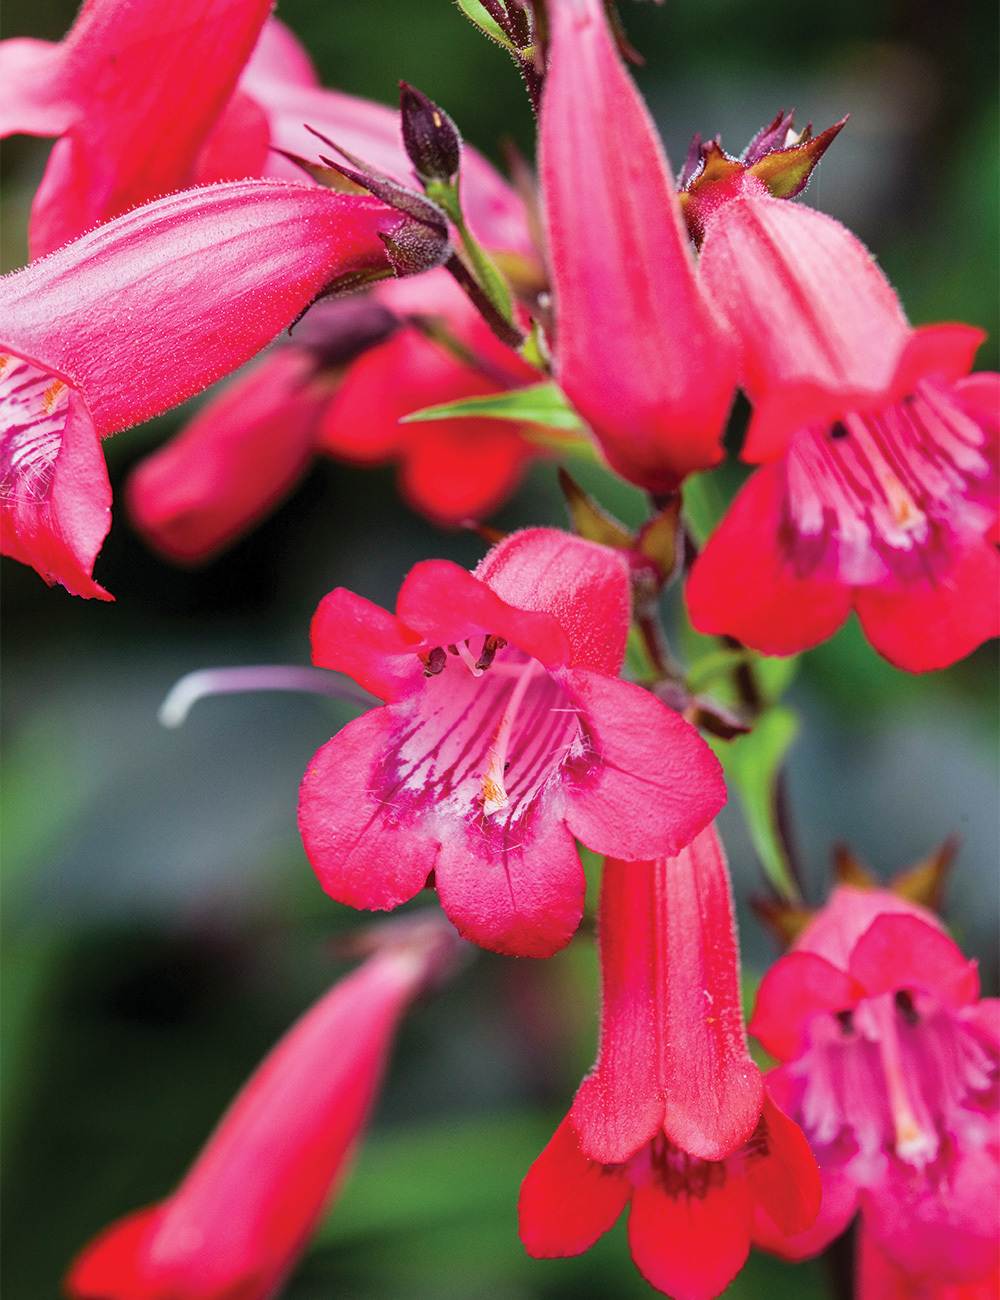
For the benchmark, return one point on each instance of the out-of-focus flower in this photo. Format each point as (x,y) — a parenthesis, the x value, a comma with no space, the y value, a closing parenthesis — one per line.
(880,487)
(243,1214)
(637,348)
(140,314)
(891,1068)
(339,386)
(505,733)
(134,91)
(673,1118)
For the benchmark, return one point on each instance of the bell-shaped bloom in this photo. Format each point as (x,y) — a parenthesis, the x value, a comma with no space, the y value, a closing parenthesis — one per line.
(880,487)
(891,1067)
(339,386)
(134,92)
(244,1212)
(674,1118)
(637,349)
(505,732)
(138,315)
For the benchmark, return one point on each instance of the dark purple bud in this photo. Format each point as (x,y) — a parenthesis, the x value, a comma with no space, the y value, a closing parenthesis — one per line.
(337,331)
(430,136)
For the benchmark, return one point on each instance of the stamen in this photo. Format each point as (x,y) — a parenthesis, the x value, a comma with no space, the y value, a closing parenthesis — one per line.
(914,1143)
(266,677)
(495,795)
(434,661)
(465,654)
(491,644)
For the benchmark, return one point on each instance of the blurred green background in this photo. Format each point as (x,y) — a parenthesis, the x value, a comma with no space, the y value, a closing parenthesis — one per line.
(162,927)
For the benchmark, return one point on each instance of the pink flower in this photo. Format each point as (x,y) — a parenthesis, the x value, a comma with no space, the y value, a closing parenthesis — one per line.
(505,733)
(880,487)
(673,1118)
(891,1068)
(134,92)
(244,1212)
(339,386)
(135,317)
(637,348)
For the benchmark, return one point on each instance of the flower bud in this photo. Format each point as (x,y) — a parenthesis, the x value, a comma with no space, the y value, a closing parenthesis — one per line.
(430,136)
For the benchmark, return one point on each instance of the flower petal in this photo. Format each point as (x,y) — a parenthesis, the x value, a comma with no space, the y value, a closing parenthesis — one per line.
(690,1246)
(34,96)
(797,987)
(786,1182)
(904,952)
(456,470)
(650,783)
(568,1201)
(111,1267)
(353,636)
(838,1206)
(238,457)
(364,856)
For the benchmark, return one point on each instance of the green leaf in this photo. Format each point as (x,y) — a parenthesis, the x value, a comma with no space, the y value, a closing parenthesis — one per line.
(704,504)
(539,404)
(751,764)
(479,15)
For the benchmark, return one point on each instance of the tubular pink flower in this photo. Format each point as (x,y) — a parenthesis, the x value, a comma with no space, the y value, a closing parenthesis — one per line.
(637,348)
(244,1212)
(881,489)
(133,92)
(137,316)
(891,1068)
(505,733)
(674,1117)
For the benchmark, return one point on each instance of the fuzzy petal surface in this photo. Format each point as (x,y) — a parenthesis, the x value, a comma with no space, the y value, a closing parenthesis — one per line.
(351,635)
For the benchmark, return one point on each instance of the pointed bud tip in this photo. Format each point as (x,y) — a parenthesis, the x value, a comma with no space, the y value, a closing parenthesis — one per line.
(431,138)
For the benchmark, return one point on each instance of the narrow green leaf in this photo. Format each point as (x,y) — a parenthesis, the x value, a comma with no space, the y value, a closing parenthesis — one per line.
(751,764)
(474,10)
(704,504)
(539,404)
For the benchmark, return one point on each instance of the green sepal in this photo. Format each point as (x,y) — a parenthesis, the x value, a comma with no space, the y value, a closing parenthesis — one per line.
(479,15)
(542,404)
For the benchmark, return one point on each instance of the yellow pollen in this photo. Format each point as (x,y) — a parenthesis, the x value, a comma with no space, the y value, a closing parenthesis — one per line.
(52,394)
(905,511)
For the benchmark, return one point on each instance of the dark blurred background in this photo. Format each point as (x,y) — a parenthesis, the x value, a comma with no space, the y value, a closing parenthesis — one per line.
(162,926)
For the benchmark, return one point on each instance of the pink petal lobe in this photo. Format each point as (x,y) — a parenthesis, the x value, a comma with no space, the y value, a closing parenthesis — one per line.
(445,604)
(786,1183)
(584,585)
(35,97)
(713,1090)
(515,887)
(881,1279)
(691,1246)
(797,987)
(741,585)
(237,146)
(568,1201)
(146,104)
(56,498)
(809,307)
(237,458)
(638,350)
(944,352)
(924,626)
(620,1106)
(280,56)
(185,289)
(456,470)
(649,784)
(849,911)
(904,952)
(111,1267)
(351,635)
(838,1206)
(362,854)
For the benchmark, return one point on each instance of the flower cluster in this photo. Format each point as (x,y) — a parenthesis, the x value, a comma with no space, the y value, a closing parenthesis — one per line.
(207,198)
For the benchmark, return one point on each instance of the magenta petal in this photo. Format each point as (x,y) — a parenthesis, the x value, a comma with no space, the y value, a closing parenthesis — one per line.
(515,888)
(797,986)
(689,1246)
(56,498)
(35,99)
(584,585)
(620,1106)
(786,1183)
(713,1091)
(353,636)
(236,459)
(838,1205)
(638,350)
(568,1201)
(650,783)
(237,145)
(185,289)
(364,856)
(904,952)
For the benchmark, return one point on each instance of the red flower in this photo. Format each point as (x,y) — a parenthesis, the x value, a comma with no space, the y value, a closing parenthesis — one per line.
(674,1117)
(892,1071)
(250,443)
(505,733)
(637,348)
(243,1214)
(880,491)
(135,317)
(134,92)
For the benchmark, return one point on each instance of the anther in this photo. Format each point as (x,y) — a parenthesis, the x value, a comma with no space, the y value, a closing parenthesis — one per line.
(434,661)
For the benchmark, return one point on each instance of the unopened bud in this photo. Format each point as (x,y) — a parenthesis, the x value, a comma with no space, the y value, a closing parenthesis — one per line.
(430,136)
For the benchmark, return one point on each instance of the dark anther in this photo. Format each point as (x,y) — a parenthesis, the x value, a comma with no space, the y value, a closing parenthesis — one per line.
(490,646)
(905,1007)
(453,650)
(846,1019)
(434,661)
(838,430)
